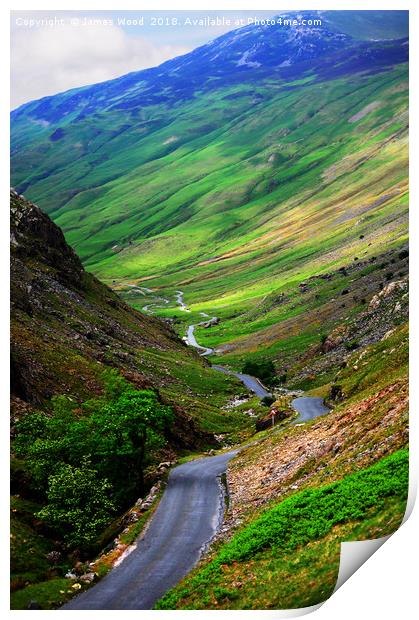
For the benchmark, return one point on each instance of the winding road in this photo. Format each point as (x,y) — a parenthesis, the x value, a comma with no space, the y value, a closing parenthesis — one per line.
(185,521)
(252,383)
(309,407)
(192,342)
(187,517)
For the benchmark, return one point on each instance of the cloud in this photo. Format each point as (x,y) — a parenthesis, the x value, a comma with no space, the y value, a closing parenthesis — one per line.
(48,60)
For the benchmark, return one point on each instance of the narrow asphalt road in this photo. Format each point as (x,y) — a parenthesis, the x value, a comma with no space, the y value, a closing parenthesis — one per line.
(252,384)
(185,521)
(309,407)
(192,342)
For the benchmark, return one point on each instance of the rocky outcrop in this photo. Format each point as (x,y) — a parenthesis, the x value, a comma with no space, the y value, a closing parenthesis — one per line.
(33,236)
(386,309)
(389,291)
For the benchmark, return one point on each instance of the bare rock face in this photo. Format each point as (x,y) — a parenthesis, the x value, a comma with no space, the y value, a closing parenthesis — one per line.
(34,236)
(389,290)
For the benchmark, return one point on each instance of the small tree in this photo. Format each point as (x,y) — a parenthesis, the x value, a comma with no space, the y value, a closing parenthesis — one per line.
(79,507)
(119,437)
(124,434)
(263,370)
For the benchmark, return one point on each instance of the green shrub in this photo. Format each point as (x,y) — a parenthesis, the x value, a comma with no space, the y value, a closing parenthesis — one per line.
(79,506)
(117,435)
(263,370)
(267,401)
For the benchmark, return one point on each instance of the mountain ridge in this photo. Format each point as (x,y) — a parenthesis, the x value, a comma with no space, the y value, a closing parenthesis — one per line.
(327,16)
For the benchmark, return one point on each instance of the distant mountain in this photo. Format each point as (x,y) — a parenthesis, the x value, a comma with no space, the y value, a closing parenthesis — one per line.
(282,47)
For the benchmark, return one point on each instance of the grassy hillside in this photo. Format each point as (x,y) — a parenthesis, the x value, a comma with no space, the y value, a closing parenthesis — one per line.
(236,195)
(299,492)
(274,194)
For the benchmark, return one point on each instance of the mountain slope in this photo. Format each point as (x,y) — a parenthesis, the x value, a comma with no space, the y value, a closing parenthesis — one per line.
(100,395)
(288,512)
(67,328)
(235,173)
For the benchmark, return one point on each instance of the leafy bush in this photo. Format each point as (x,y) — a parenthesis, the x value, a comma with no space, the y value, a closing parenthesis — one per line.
(78,506)
(263,370)
(114,437)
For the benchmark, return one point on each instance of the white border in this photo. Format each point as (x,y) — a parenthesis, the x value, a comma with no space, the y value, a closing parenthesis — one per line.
(385,587)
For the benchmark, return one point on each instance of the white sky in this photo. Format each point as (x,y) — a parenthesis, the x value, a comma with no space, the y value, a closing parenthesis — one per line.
(59,50)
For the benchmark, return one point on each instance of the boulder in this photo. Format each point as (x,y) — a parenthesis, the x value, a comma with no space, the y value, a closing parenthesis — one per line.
(214,321)
(165,465)
(331,343)
(131,517)
(88,577)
